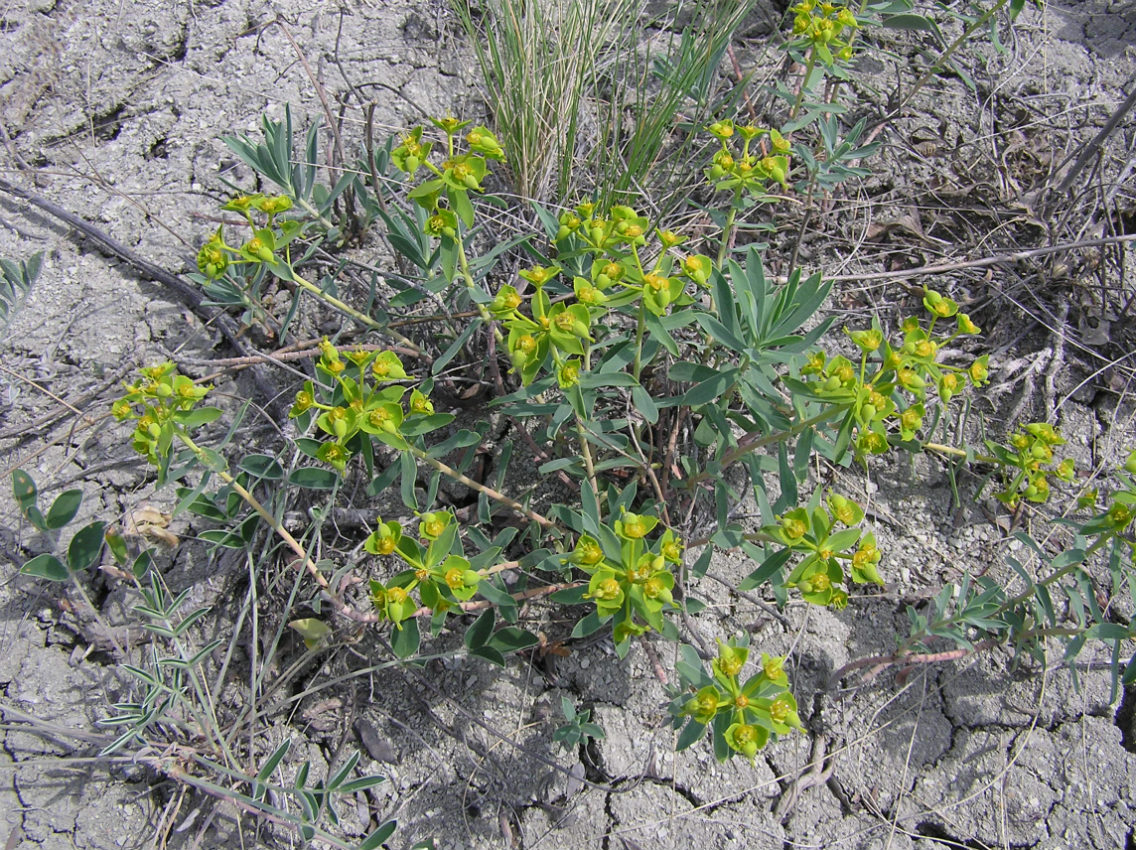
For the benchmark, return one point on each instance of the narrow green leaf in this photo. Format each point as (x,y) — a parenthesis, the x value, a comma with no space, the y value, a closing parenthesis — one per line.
(409,478)
(771,565)
(506,605)
(377,838)
(1110,631)
(460,440)
(590,506)
(454,347)
(644,404)
(361,784)
(341,775)
(710,389)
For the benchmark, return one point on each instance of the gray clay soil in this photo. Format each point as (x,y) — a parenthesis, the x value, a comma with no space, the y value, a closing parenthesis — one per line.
(112,110)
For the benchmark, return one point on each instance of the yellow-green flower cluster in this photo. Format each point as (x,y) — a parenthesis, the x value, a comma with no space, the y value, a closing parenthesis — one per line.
(215,256)
(364,399)
(834,557)
(631,578)
(561,331)
(761,159)
(445,196)
(825,27)
(437,569)
(888,388)
(757,709)
(1029,460)
(558,334)
(161,401)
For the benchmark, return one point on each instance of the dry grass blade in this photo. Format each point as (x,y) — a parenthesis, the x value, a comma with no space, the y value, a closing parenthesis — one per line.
(537,57)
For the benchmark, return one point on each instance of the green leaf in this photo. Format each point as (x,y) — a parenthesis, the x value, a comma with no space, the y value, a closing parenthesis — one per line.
(570,595)
(25,492)
(842,539)
(720,333)
(644,404)
(460,440)
(308,446)
(313,631)
(588,625)
(512,639)
(490,654)
(63,509)
(409,477)
(916,23)
(340,776)
(313,478)
(198,416)
(710,389)
(406,640)
(142,564)
(24,489)
(377,838)
(595,380)
(1110,631)
(266,770)
(693,732)
(478,633)
(454,347)
(703,563)
(426,424)
(361,784)
(213,460)
(261,466)
(85,547)
(771,565)
(46,567)
(499,597)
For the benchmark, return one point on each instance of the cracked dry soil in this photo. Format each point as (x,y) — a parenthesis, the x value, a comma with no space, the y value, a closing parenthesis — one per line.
(112,111)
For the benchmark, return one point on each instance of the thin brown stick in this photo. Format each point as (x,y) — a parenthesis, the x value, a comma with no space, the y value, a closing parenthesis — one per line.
(495,495)
(879,663)
(996,259)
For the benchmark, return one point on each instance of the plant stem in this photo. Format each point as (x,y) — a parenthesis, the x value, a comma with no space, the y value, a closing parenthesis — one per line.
(750,442)
(285,535)
(728,232)
(637,366)
(313,211)
(482,310)
(352,312)
(810,63)
(957,452)
(521,596)
(496,496)
(955,45)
